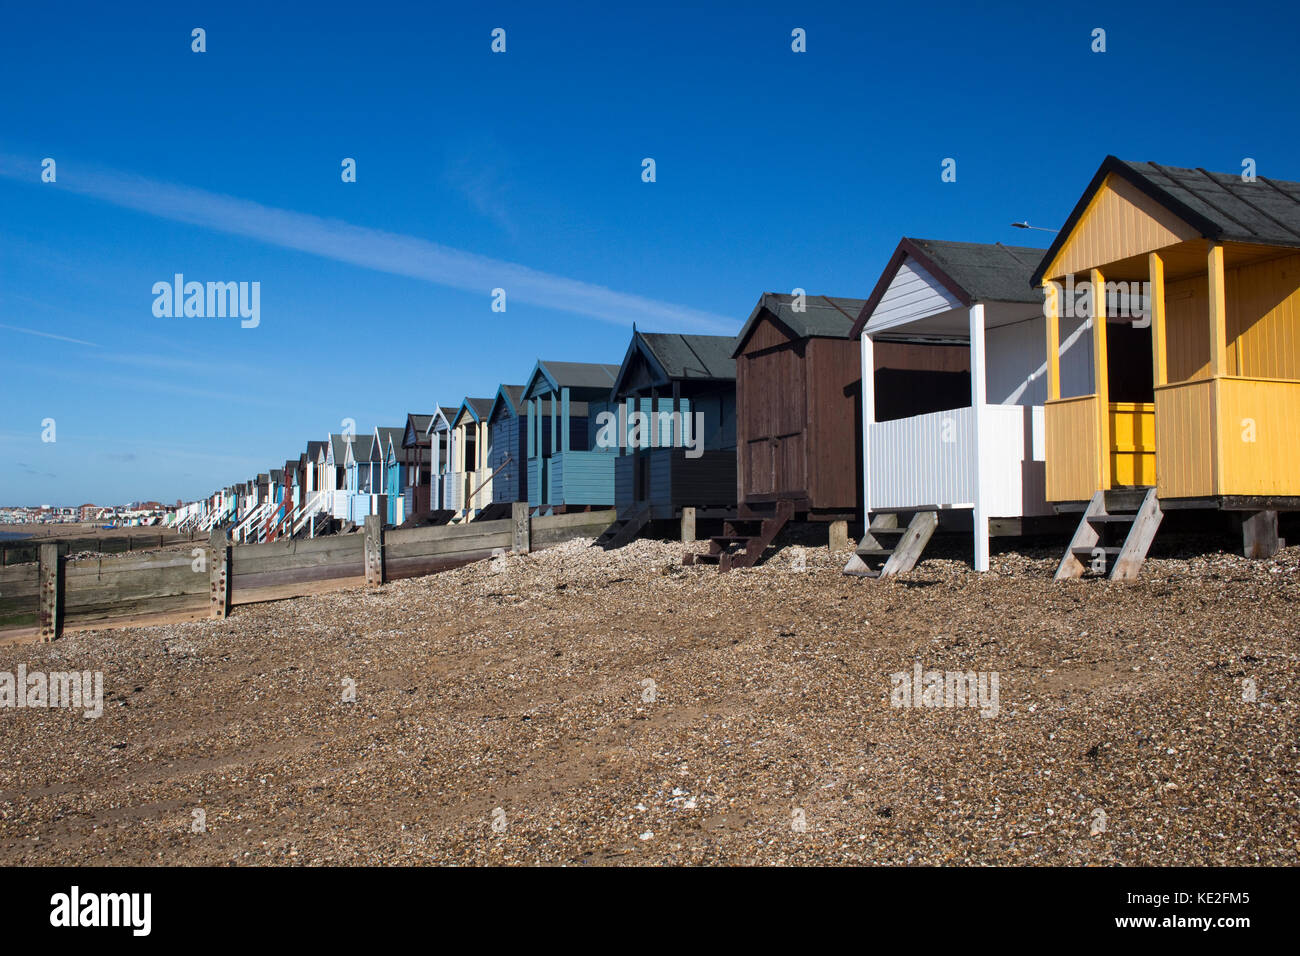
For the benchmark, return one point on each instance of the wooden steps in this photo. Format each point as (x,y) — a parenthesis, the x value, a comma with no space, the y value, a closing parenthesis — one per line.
(623,530)
(744,541)
(886,549)
(1113,536)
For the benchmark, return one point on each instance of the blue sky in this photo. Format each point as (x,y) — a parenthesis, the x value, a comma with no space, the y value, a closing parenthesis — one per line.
(522,170)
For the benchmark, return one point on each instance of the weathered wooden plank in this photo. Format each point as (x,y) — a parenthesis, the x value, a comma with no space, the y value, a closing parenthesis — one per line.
(115,610)
(126,564)
(281,592)
(343,552)
(240,584)
(478,542)
(447,532)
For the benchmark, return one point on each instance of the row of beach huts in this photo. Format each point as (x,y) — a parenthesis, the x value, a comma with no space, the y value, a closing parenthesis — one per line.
(1148,362)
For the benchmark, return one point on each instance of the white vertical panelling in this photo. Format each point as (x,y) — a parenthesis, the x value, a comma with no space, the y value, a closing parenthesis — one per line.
(925,460)
(922,460)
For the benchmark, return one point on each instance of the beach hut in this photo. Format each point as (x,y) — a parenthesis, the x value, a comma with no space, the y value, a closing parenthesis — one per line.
(334,474)
(953,407)
(675,397)
(470,440)
(1191,282)
(362,475)
(387,468)
(416,455)
(441,491)
(798,422)
(507,455)
(564,401)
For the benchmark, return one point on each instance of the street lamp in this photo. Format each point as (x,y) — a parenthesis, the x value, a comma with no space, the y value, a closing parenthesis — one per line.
(1025,225)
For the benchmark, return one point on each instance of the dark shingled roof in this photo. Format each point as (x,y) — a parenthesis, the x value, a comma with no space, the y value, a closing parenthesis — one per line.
(823,317)
(508,398)
(479,406)
(692,356)
(314,448)
(419,421)
(581,374)
(1221,206)
(988,272)
(339,445)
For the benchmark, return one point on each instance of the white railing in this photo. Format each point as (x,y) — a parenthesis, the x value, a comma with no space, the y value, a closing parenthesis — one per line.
(250,522)
(307,512)
(929,460)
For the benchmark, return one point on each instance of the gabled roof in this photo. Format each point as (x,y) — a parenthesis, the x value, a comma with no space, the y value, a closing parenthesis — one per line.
(338,447)
(476,408)
(509,398)
(314,450)
(1220,206)
(822,317)
(383,437)
(443,416)
(417,426)
(573,375)
(675,358)
(971,271)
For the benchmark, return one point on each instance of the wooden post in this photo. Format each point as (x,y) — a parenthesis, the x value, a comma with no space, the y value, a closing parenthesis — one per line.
(564,416)
(219,573)
(978,454)
(1052,313)
(688,525)
(1159,365)
(838,535)
(51,572)
(374,551)
(1218,356)
(1101,377)
(522,530)
(1259,534)
(1218,313)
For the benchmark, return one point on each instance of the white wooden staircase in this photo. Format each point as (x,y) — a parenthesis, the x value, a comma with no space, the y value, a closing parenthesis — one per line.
(1113,536)
(888,549)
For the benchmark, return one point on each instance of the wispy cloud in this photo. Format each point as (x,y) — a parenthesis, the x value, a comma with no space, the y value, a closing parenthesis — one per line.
(47,335)
(368,248)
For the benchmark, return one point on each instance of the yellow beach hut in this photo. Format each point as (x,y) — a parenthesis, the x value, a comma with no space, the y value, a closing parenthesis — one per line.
(1190,282)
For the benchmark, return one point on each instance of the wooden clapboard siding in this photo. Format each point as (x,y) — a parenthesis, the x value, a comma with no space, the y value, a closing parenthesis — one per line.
(1073,448)
(1184,439)
(914,293)
(834,447)
(1120,222)
(1263,321)
(511,482)
(1259,436)
(583,477)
